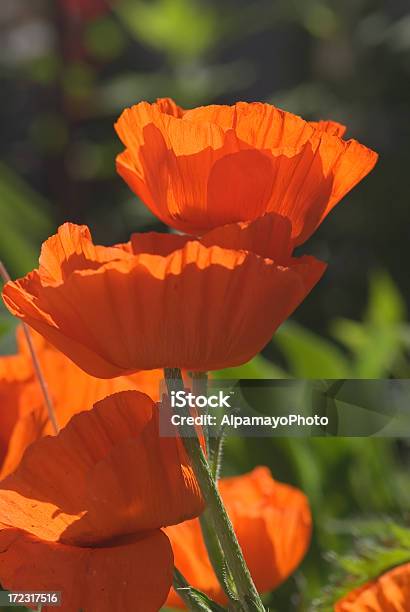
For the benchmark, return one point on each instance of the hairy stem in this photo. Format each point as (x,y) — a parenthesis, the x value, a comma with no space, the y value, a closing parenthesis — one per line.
(247,594)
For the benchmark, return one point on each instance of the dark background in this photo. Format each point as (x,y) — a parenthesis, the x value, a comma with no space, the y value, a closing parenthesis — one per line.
(69,67)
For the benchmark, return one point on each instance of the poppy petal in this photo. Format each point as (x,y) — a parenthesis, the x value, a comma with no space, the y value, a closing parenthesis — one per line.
(171,160)
(277,503)
(239,187)
(32,422)
(135,574)
(158,244)
(272,522)
(216,165)
(107,473)
(311,182)
(158,311)
(257,124)
(331,127)
(29,422)
(72,249)
(134,177)
(168,106)
(388,593)
(23,414)
(15,394)
(268,236)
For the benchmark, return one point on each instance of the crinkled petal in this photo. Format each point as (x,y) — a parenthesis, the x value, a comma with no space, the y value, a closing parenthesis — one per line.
(23,414)
(156,312)
(168,106)
(260,125)
(388,593)
(168,162)
(179,167)
(311,182)
(72,249)
(216,165)
(107,473)
(331,127)
(72,391)
(135,574)
(268,236)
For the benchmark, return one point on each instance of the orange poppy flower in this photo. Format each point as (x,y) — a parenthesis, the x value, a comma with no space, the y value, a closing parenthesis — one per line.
(164,300)
(23,415)
(201,168)
(83,512)
(388,593)
(272,522)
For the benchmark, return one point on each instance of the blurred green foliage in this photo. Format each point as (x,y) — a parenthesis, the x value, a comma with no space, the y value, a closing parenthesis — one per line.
(181,28)
(25,222)
(63,82)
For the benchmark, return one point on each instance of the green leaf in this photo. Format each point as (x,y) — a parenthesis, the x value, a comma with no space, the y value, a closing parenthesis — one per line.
(386,546)
(182,28)
(385,529)
(377,342)
(309,355)
(351,334)
(377,357)
(6,324)
(379,560)
(24,223)
(7,332)
(386,305)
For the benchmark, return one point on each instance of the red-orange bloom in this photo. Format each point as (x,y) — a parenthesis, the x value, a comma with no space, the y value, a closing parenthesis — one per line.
(83,512)
(201,168)
(388,593)
(164,300)
(23,415)
(273,525)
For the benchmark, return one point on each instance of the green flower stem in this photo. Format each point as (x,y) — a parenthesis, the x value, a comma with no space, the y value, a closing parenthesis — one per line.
(194,599)
(200,387)
(247,594)
(212,544)
(217,559)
